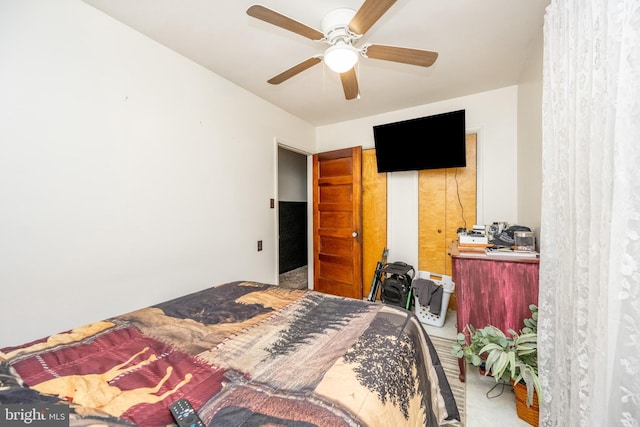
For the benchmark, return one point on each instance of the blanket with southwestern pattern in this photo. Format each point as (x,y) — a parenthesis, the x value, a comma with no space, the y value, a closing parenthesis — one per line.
(244,354)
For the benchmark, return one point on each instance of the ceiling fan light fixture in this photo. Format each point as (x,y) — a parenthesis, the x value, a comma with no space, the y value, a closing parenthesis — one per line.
(341,57)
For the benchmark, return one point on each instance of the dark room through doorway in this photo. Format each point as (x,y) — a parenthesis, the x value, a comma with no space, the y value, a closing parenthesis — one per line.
(292,219)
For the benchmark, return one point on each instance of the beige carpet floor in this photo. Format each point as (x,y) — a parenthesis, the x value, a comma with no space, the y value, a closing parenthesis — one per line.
(295,279)
(450,364)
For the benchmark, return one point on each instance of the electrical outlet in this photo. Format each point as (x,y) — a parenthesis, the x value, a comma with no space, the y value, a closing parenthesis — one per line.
(259,245)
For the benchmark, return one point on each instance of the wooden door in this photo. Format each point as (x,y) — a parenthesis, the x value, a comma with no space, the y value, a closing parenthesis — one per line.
(446,201)
(337,222)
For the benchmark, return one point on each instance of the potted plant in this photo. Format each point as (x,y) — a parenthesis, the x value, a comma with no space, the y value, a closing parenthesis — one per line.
(510,357)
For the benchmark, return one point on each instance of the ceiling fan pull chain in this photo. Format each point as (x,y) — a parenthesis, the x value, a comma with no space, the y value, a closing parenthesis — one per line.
(324,77)
(358,77)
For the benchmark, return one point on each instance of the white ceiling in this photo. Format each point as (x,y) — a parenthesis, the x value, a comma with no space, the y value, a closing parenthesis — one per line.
(482,45)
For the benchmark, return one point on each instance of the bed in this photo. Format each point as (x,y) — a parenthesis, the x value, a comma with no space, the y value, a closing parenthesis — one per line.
(244,354)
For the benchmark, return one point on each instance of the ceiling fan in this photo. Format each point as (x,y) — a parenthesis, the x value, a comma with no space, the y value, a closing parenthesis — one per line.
(341,30)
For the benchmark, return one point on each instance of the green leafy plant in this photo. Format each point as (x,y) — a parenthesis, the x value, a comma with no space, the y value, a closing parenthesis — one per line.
(512,357)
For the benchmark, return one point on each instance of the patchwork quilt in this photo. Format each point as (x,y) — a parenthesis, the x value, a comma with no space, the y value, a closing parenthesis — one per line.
(244,354)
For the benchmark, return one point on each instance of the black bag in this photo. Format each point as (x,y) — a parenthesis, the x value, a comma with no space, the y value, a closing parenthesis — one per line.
(397,284)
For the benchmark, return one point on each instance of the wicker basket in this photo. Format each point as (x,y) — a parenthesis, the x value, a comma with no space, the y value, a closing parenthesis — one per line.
(530,414)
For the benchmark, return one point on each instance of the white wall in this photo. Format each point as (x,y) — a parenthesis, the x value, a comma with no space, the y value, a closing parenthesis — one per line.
(292,176)
(128,174)
(530,141)
(492,115)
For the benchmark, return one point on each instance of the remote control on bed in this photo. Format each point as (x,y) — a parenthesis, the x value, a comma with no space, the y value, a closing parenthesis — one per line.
(184,414)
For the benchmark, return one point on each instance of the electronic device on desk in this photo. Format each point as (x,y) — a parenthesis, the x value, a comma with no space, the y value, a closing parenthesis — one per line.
(476,236)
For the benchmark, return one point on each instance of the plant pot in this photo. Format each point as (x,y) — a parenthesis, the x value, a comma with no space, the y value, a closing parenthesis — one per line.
(530,414)
(482,370)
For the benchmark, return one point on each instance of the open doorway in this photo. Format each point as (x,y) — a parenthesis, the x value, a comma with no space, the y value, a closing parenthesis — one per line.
(292,219)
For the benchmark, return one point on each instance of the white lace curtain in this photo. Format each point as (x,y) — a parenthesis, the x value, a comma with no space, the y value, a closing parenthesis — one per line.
(589,325)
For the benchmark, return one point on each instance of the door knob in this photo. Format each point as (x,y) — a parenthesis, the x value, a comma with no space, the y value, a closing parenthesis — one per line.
(354,234)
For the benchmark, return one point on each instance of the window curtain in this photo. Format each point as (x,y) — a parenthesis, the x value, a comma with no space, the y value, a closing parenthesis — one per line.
(589,318)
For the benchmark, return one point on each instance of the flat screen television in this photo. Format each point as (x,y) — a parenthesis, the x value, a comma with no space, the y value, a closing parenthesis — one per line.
(431,142)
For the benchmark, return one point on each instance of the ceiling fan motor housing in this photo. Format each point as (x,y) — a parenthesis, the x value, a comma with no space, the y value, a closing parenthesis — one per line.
(335,25)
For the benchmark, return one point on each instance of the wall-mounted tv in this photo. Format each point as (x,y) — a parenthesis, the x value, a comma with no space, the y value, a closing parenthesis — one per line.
(431,142)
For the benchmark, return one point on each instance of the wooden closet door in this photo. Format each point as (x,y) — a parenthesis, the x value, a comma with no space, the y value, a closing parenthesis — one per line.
(374,216)
(446,201)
